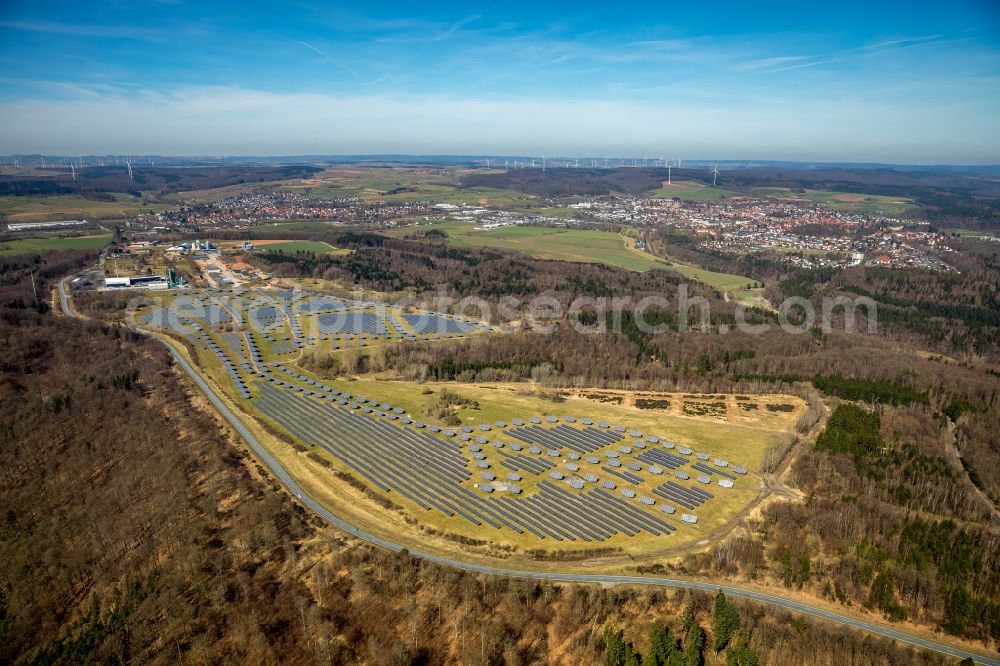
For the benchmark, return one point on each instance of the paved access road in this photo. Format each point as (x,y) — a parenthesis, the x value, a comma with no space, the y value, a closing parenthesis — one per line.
(704,585)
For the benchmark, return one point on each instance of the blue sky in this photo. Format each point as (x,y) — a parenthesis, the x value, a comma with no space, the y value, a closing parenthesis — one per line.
(891,82)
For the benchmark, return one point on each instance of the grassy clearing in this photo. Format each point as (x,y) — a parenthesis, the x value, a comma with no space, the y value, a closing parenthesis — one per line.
(288,247)
(720,281)
(690,190)
(53,244)
(751,297)
(560,244)
(32,209)
(291,247)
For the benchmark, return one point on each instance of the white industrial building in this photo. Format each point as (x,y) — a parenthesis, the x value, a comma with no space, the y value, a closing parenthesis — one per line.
(137,282)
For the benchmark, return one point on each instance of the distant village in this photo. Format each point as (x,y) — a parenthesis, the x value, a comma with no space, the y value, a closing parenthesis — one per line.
(806,234)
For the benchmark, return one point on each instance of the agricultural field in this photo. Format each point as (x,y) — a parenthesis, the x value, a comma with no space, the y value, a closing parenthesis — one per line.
(289,247)
(504,469)
(218,193)
(849,202)
(559,244)
(399,185)
(615,249)
(60,207)
(46,244)
(690,190)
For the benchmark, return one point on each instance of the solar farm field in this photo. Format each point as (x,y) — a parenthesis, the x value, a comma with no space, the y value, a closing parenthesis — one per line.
(512,475)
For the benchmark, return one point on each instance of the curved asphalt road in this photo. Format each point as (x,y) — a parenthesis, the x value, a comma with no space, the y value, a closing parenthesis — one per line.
(706,586)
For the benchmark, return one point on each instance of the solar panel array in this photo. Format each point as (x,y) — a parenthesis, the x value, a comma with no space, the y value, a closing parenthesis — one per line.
(429,471)
(525,463)
(582,440)
(354,322)
(709,470)
(581,479)
(688,497)
(226,362)
(430,323)
(662,458)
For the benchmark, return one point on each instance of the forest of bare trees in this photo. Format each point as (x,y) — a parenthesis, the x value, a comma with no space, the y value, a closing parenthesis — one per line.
(137,529)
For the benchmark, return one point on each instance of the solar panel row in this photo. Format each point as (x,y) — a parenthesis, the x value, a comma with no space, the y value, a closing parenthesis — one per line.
(687,497)
(661,457)
(581,440)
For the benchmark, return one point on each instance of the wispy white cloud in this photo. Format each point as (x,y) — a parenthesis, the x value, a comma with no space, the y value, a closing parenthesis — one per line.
(801,65)
(82,30)
(328,57)
(454,28)
(771,62)
(774,64)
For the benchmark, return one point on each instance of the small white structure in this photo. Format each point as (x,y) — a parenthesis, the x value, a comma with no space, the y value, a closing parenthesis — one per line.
(725,483)
(117,283)
(689,518)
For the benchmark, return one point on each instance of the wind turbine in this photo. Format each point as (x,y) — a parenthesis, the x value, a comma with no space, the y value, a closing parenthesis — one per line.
(668,173)
(715,174)
(129,165)
(543,163)
(72,170)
